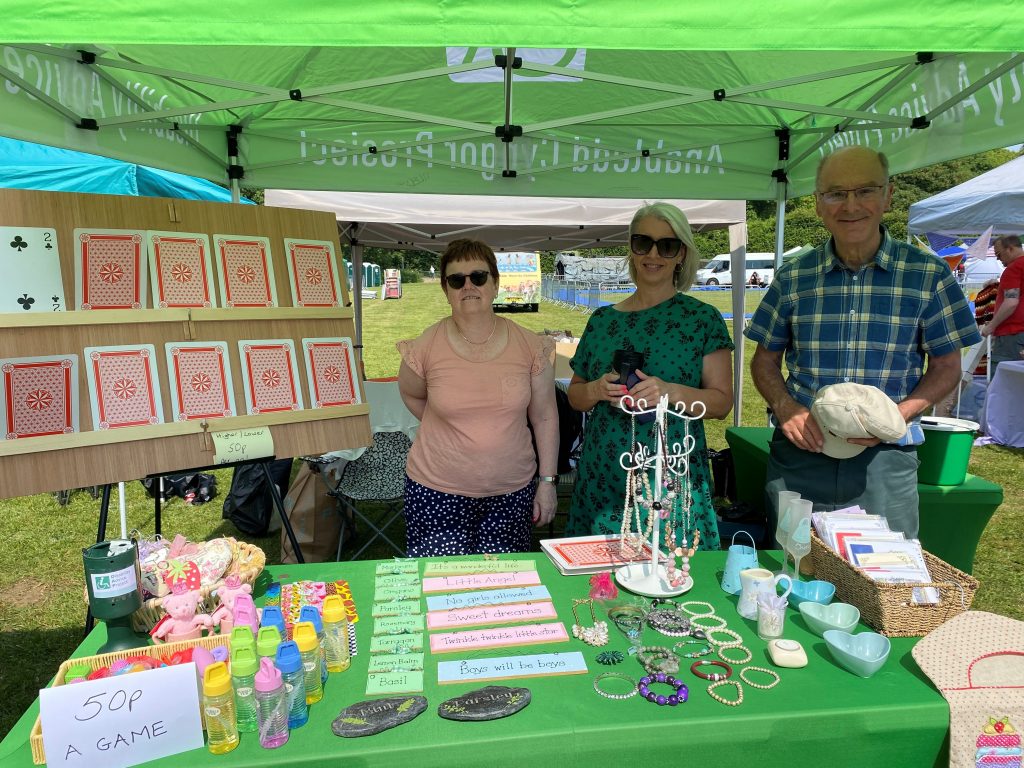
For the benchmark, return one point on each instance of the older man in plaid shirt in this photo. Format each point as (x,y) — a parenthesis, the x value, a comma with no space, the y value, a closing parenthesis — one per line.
(861,308)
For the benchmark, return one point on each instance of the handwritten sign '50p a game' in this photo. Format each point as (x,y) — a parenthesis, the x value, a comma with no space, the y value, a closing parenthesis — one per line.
(122,720)
(528,634)
(436,584)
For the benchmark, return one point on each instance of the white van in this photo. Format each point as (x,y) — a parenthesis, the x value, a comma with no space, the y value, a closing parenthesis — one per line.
(719,270)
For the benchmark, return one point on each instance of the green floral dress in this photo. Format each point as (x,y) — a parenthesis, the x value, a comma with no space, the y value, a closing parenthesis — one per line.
(674,337)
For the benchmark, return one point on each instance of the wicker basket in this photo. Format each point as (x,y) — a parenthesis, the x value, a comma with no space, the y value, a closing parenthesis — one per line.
(247,561)
(889,608)
(106,659)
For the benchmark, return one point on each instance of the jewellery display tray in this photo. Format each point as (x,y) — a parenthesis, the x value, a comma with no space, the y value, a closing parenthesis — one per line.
(638,579)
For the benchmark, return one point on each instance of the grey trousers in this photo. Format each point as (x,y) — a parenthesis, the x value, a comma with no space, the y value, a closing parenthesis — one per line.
(1007,348)
(882,479)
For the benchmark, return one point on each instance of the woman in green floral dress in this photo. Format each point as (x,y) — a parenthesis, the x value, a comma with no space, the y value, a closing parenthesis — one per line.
(688,355)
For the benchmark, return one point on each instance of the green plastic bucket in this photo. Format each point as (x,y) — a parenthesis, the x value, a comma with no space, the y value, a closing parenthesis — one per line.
(946,450)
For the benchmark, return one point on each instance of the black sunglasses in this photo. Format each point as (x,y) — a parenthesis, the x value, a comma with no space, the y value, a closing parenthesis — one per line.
(668,247)
(478,277)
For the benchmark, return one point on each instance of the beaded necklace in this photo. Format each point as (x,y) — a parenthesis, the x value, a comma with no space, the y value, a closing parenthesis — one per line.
(673,503)
(678,523)
(634,532)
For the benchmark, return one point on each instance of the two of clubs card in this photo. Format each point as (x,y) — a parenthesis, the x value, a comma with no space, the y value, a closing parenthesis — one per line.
(30,270)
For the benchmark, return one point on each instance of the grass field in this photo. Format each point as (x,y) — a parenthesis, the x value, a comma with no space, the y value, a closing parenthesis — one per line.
(41,605)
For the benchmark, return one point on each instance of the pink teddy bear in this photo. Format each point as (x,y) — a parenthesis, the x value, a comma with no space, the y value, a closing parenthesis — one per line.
(182,621)
(224,616)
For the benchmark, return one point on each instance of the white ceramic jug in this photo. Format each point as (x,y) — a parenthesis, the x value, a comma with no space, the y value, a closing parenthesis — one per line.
(753,581)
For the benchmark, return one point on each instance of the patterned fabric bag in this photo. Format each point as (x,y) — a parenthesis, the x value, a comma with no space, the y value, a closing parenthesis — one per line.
(976,660)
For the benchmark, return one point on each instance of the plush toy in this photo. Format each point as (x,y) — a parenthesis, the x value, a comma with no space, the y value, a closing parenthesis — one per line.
(182,621)
(228,593)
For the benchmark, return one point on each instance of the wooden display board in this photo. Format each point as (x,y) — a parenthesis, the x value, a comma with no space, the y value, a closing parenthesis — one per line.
(90,457)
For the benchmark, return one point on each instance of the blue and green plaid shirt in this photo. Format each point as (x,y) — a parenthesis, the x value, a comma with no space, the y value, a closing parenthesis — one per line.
(873,326)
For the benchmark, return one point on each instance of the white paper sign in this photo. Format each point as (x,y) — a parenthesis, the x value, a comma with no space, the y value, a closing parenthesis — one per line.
(122,720)
(234,445)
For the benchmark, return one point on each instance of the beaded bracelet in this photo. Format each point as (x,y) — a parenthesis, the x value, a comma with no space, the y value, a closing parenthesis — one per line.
(682,693)
(771,672)
(655,658)
(685,607)
(720,623)
(713,676)
(615,676)
(704,651)
(747,655)
(720,700)
(668,622)
(736,639)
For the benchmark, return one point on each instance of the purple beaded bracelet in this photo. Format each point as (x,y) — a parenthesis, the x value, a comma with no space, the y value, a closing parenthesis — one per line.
(681,695)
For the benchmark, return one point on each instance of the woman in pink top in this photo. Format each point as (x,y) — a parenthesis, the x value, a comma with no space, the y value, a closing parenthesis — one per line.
(478,384)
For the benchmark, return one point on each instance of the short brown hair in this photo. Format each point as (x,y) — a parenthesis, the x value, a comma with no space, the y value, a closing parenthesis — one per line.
(465,249)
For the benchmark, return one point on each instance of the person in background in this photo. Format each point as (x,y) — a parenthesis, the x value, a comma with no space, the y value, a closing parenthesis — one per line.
(860,308)
(1007,324)
(478,384)
(687,351)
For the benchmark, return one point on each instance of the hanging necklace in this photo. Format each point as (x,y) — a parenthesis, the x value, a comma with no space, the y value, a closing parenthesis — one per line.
(494,325)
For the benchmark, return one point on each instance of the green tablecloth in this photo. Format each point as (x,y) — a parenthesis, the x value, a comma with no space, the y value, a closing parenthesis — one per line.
(953,517)
(819,713)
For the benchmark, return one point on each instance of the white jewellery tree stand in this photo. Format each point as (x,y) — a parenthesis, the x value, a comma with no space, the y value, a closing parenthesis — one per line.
(654,579)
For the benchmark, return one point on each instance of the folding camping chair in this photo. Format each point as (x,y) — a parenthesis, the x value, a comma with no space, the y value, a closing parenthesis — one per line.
(379,476)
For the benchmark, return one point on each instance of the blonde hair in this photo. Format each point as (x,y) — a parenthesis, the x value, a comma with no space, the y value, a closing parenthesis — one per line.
(686,270)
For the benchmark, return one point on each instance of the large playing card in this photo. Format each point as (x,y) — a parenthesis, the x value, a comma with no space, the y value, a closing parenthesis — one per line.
(124,390)
(270,376)
(245,270)
(110,269)
(40,396)
(312,273)
(331,368)
(179,263)
(200,376)
(30,270)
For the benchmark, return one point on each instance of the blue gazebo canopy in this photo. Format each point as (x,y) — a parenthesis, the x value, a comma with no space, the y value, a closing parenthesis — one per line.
(24,165)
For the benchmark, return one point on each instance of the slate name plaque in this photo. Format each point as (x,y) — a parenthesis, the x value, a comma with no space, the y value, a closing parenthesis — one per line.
(369,717)
(490,703)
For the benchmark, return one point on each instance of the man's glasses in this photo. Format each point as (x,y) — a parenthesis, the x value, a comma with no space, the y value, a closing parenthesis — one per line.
(861,194)
(478,277)
(668,247)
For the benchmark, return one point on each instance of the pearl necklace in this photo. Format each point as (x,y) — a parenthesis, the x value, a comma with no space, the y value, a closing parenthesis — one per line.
(458,330)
